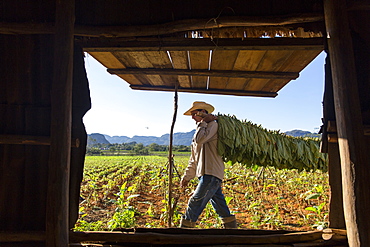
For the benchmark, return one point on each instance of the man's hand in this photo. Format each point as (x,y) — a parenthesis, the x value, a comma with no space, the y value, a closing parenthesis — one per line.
(183,183)
(209,118)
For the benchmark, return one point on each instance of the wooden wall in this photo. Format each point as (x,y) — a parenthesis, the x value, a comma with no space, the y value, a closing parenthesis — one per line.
(26,75)
(26,72)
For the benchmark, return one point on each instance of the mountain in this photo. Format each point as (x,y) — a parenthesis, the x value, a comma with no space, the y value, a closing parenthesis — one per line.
(96,138)
(297,133)
(180,138)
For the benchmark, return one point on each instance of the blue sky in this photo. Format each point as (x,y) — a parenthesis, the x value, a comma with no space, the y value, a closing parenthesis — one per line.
(119,110)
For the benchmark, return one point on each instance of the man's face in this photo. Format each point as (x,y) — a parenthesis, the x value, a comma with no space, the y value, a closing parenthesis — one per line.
(195,116)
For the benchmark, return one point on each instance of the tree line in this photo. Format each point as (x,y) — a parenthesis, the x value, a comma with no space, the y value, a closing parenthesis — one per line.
(132,148)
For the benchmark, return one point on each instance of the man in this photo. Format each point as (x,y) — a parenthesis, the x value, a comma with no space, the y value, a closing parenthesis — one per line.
(208,166)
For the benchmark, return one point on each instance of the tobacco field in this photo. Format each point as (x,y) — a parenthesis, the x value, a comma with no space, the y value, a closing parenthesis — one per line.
(132,191)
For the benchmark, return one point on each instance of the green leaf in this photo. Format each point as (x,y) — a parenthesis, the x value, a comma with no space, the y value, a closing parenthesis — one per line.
(313,196)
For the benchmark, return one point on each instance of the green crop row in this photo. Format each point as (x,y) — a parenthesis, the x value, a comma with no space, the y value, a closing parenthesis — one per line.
(132,191)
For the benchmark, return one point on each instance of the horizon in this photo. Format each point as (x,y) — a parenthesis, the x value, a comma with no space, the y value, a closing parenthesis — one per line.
(181,132)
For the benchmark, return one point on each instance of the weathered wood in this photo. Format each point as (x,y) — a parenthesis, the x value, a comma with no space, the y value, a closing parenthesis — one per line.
(353,151)
(32,140)
(183,44)
(336,213)
(209,231)
(335,234)
(359,6)
(203,72)
(170,159)
(221,60)
(332,137)
(180,61)
(160,59)
(166,28)
(163,239)
(332,127)
(207,91)
(199,60)
(128,60)
(57,225)
(26,236)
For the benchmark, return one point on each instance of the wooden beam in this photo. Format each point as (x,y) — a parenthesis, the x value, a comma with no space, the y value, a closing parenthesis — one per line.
(25,236)
(32,140)
(332,127)
(186,44)
(353,151)
(200,72)
(165,28)
(359,6)
(57,205)
(194,238)
(206,91)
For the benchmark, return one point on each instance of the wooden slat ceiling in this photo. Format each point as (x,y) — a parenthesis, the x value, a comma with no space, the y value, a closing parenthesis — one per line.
(251,67)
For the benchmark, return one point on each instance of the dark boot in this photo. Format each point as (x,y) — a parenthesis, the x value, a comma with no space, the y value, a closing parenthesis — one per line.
(187,223)
(229,222)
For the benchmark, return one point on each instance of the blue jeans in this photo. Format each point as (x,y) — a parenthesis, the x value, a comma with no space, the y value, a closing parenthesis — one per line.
(208,189)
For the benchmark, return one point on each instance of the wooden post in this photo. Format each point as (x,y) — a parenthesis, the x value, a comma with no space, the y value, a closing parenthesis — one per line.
(170,160)
(352,148)
(336,213)
(57,232)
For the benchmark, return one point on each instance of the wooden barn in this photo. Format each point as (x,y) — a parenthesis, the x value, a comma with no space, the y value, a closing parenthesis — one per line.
(241,48)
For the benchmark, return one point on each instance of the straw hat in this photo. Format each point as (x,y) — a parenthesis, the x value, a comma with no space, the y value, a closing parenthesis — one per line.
(200,105)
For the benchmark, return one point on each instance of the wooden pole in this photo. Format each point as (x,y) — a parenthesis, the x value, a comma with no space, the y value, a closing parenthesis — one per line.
(57,232)
(353,151)
(170,160)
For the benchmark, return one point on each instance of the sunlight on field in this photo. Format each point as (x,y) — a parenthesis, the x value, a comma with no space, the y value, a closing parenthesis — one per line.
(131,191)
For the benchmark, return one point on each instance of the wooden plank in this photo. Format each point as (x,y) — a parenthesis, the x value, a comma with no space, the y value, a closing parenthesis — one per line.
(24,236)
(296,61)
(165,28)
(142,61)
(57,224)
(199,60)
(160,60)
(186,44)
(246,61)
(108,60)
(255,84)
(163,239)
(271,61)
(202,72)
(274,85)
(299,60)
(354,155)
(209,231)
(221,60)
(180,61)
(128,61)
(206,91)
(32,140)
(332,127)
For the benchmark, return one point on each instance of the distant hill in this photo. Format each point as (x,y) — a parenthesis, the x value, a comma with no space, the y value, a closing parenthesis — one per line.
(297,133)
(96,138)
(180,138)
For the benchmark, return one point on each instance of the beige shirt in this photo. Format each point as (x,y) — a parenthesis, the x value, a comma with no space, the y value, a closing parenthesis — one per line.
(204,158)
